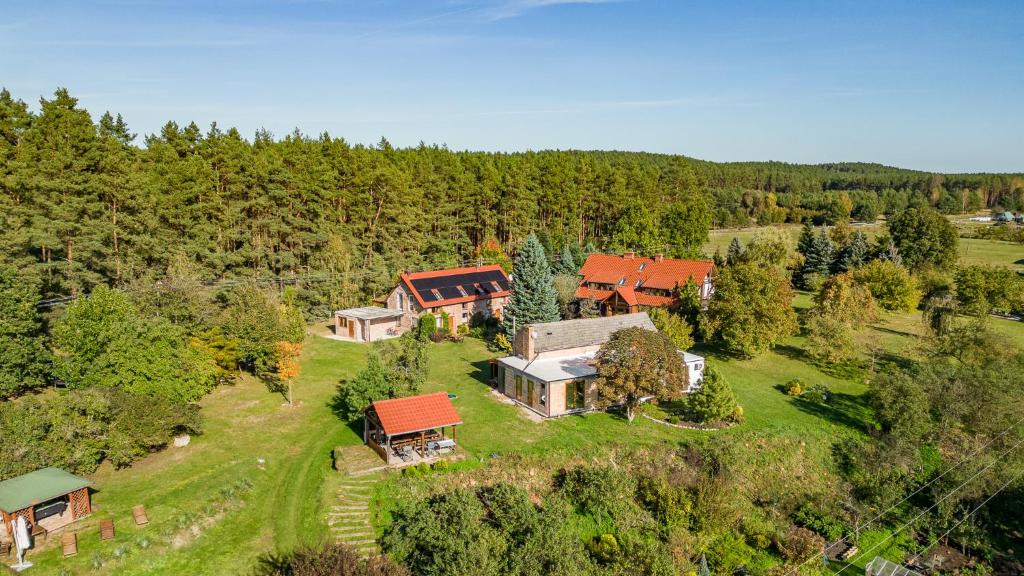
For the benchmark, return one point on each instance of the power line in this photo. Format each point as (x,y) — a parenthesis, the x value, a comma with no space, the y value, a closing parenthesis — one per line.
(930,508)
(864,525)
(969,514)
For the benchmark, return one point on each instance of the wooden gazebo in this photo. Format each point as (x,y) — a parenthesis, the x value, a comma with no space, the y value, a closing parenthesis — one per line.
(410,429)
(49,498)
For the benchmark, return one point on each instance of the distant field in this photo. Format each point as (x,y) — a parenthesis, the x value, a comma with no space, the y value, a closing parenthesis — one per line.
(972,250)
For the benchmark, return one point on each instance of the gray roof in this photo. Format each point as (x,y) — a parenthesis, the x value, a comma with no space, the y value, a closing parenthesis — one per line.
(689,357)
(581,333)
(369,313)
(554,369)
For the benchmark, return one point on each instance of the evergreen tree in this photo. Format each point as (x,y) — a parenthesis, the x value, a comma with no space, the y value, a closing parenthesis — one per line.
(819,255)
(533,298)
(735,253)
(566,263)
(855,254)
(805,243)
(825,253)
(23,355)
(714,401)
(718,259)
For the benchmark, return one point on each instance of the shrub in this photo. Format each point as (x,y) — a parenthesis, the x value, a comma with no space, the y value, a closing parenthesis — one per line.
(737,414)
(825,524)
(596,488)
(799,544)
(604,548)
(426,326)
(502,344)
(795,387)
(438,336)
(462,330)
(819,394)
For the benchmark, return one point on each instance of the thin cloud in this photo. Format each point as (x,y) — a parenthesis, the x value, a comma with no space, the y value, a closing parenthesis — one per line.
(511,8)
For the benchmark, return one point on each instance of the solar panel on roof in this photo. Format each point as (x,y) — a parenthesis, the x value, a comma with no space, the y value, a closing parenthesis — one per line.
(449,292)
(468,278)
(427,295)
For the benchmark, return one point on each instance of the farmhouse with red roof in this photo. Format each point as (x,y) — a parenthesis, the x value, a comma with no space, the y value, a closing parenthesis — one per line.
(629,283)
(452,296)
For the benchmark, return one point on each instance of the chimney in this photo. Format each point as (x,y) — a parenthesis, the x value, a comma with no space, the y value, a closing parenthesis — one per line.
(629,255)
(524,341)
(659,257)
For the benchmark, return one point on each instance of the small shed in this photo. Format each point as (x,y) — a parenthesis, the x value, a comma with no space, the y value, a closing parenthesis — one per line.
(411,429)
(49,498)
(367,324)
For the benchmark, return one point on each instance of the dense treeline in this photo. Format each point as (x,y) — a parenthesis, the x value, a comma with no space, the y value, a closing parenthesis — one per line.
(85,202)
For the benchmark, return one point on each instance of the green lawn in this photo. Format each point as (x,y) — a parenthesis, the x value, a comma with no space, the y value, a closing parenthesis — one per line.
(203,518)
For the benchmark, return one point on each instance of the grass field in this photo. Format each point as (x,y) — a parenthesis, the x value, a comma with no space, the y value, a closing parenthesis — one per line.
(213,510)
(972,250)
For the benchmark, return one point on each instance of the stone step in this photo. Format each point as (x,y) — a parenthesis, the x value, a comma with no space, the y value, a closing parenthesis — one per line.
(357,542)
(345,522)
(351,528)
(348,507)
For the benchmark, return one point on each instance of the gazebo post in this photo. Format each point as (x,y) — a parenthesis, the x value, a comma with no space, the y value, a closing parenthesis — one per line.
(423,444)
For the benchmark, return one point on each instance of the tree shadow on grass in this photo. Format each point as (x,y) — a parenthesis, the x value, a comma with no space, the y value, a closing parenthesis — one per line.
(851,411)
(852,370)
(887,330)
(482,372)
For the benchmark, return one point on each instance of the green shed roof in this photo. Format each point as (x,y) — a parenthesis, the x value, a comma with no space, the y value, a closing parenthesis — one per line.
(37,487)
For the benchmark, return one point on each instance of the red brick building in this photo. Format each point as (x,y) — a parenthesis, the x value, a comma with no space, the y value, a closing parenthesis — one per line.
(630,283)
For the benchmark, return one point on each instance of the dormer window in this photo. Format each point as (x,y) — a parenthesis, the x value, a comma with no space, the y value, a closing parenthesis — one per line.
(462,290)
(495,285)
(642,266)
(638,282)
(622,281)
(437,295)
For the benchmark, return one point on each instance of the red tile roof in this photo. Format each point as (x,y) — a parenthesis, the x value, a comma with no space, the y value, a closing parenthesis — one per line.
(624,273)
(478,282)
(416,413)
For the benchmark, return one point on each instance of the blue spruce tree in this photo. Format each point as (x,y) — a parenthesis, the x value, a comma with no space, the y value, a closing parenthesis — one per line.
(533,297)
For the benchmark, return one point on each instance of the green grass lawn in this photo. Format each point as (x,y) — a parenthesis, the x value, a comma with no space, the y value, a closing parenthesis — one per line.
(203,520)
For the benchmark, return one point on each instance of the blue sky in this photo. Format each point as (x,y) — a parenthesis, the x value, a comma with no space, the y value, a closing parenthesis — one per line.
(928,85)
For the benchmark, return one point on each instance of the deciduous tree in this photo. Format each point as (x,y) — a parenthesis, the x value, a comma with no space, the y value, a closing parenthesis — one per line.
(924,238)
(635,364)
(751,310)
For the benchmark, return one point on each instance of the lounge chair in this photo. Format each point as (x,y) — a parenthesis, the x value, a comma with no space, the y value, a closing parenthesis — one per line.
(139,512)
(107,529)
(69,544)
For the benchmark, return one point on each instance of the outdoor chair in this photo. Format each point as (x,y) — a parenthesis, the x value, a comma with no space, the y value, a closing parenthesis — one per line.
(139,512)
(69,544)
(107,529)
